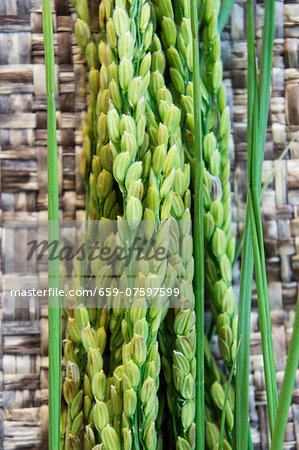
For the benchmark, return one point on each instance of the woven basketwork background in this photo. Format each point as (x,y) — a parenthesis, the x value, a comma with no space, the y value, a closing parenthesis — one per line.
(23,357)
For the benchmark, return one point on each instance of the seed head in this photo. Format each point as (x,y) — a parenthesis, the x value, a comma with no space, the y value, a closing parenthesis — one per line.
(144,17)
(188,414)
(126,46)
(150,436)
(120,166)
(219,243)
(172,118)
(226,270)
(99,383)
(221,98)
(70,390)
(121,21)
(73,330)
(132,372)
(89,338)
(82,10)
(138,349)
(141,123)
(158,61)
(130,402)
(126,73)
(169,31)
(212,434)
(94,362)
(104,184)
(92,56)
(188,387)
(128,144)
(100,415)
(135,91)
(134,212)
(167,183)
(82,33)
(177,206)
(209,146)
(177,80)
(224,122)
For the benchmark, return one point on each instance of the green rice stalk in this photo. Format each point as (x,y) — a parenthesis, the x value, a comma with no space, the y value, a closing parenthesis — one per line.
(85,40)
(242,371)
(96,157)
(224,13)
(181,67)
(96,167)
(286,392)
(126,123)
(261,107)
(164,193)
(199,281)
(53,235)
(220,245)
(184,320)
(216,189)
(159,204)
(182,399)
(128,44)
(258,104)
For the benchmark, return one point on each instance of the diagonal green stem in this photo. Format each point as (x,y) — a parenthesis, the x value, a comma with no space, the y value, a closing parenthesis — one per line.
(53,234)
(257,114)
(285,397)
(242,372)
(224,13)
(264,317)
(198,235)
(255,161)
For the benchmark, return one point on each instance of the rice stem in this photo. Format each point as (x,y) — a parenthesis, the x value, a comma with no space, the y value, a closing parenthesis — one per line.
(285,397)
(260,118)
(198,235)
(257,114)
(53,234)
(224,13)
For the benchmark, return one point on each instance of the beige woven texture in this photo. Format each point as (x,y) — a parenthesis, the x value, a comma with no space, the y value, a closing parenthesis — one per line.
(23,336)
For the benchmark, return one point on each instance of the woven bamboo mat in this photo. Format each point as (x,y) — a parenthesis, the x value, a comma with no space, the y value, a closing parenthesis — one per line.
(23,337)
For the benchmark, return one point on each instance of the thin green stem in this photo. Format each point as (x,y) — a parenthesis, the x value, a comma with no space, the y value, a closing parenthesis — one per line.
(53,232)
(257,114)
(242,370)
(198,235)
(241,427)
(250,444)
(266,61)
(240,241)
(224,13)
(261,91)
(265,322)
(285,397)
